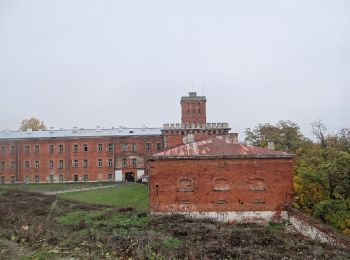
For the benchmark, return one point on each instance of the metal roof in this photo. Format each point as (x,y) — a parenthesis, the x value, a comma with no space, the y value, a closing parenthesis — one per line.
(73,133)
(219,147)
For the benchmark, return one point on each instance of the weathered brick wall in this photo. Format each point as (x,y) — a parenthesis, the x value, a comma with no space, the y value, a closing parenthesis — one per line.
(68,171)
(193,111)
(220,184)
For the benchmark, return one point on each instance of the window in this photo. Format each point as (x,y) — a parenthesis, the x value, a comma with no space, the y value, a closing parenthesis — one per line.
(86,163)
(3,149)
(133,162)
(50,164)
(61,178)
(185,185)
(99,147)
(110,176)
(37,164)
(86,177)
(75,163)
(13,149)
(26,164)
(133,147)
(2,179)
(51,148)
(2,165)
(13,165)
(76,177)
(85,148)
(75,148)
(124,147)
(13,179)
(60,148)
(221,184)
(110,162)
(26,149)
(99,162)
(257,184)
(51,178)
(194,111)
(37,179)
(26,179)
(159,146)
(37,148)
(60,164)
(125,162)
(110,147)
(149,146)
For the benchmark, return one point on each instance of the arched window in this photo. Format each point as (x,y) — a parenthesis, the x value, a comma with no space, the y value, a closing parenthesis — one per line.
(185,185)
(257,184)
(221,184)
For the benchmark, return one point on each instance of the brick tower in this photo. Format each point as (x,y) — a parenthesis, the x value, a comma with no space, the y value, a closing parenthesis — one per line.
(193,109)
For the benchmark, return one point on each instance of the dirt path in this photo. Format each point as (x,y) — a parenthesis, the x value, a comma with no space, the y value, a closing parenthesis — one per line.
(75,190)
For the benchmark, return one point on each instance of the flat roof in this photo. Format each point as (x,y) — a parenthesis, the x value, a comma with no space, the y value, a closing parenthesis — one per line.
(79,132)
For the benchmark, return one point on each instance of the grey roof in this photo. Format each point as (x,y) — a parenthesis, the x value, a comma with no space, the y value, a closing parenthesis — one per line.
(73,133)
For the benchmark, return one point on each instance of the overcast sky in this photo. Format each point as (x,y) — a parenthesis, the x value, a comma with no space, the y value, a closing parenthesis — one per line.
(109,63)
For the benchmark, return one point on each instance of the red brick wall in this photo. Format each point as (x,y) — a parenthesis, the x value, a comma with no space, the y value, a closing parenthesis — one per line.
(94,172)
(241,184)
(193,111)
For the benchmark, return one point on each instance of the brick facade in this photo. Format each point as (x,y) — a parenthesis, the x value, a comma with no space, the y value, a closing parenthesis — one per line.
(220,185)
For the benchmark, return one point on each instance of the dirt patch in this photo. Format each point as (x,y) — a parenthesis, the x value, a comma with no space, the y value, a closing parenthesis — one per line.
(67,228)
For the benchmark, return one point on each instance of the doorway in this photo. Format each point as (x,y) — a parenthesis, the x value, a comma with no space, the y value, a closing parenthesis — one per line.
(129,177)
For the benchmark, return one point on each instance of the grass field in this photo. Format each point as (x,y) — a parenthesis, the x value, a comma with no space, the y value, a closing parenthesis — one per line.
(121,196)
(43,187)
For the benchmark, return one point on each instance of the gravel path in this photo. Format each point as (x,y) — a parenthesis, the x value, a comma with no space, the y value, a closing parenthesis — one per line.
(75,190)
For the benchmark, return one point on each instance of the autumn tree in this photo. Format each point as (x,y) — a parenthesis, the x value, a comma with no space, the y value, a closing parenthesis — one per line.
(286,135)
(32,123)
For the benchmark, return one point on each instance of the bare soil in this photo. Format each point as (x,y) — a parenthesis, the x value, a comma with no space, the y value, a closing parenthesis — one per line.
(51,227)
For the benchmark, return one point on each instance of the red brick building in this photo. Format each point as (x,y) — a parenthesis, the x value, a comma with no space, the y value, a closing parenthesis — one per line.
(117,154)
(221,179)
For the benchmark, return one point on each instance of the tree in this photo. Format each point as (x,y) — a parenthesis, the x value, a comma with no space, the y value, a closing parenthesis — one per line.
(319,130)
(32,123)
(286,135)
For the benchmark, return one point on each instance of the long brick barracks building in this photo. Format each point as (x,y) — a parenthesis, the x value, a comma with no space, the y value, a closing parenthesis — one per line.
(117,154)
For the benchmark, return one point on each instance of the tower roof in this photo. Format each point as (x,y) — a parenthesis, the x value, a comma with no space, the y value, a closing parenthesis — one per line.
(193,96)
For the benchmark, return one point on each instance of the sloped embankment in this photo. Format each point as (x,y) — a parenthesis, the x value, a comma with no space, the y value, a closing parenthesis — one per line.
(50,226)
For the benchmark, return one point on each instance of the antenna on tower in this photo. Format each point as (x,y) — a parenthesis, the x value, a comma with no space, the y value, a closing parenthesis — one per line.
(192,83)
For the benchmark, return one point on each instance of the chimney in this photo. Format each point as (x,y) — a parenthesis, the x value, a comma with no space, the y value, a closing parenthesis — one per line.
(51,130)
(75,129)
(271,145)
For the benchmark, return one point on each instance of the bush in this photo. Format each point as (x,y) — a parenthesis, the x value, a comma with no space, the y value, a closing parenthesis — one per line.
(336,212)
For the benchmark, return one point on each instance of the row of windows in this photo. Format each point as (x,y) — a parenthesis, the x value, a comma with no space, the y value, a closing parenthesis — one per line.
(220,184)
(36,179)
(193,111)
(11,150)
(60,163)
(85,148)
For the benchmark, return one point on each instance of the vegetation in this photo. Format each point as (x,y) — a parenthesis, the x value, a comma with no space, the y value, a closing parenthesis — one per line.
(32,123)
(322,180)
(37,226)
(127,195)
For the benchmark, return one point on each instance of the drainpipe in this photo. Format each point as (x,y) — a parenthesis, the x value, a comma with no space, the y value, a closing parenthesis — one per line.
(67,156)
(17,160)
(113,172)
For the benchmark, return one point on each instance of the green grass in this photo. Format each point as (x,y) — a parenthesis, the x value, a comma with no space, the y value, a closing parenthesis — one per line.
(123,195)
(42,187)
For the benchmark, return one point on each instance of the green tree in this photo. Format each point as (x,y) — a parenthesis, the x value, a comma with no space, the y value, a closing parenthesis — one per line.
(32,123)
(286,135)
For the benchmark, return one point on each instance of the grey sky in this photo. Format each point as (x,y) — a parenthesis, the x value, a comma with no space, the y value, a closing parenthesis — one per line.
(110,63)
